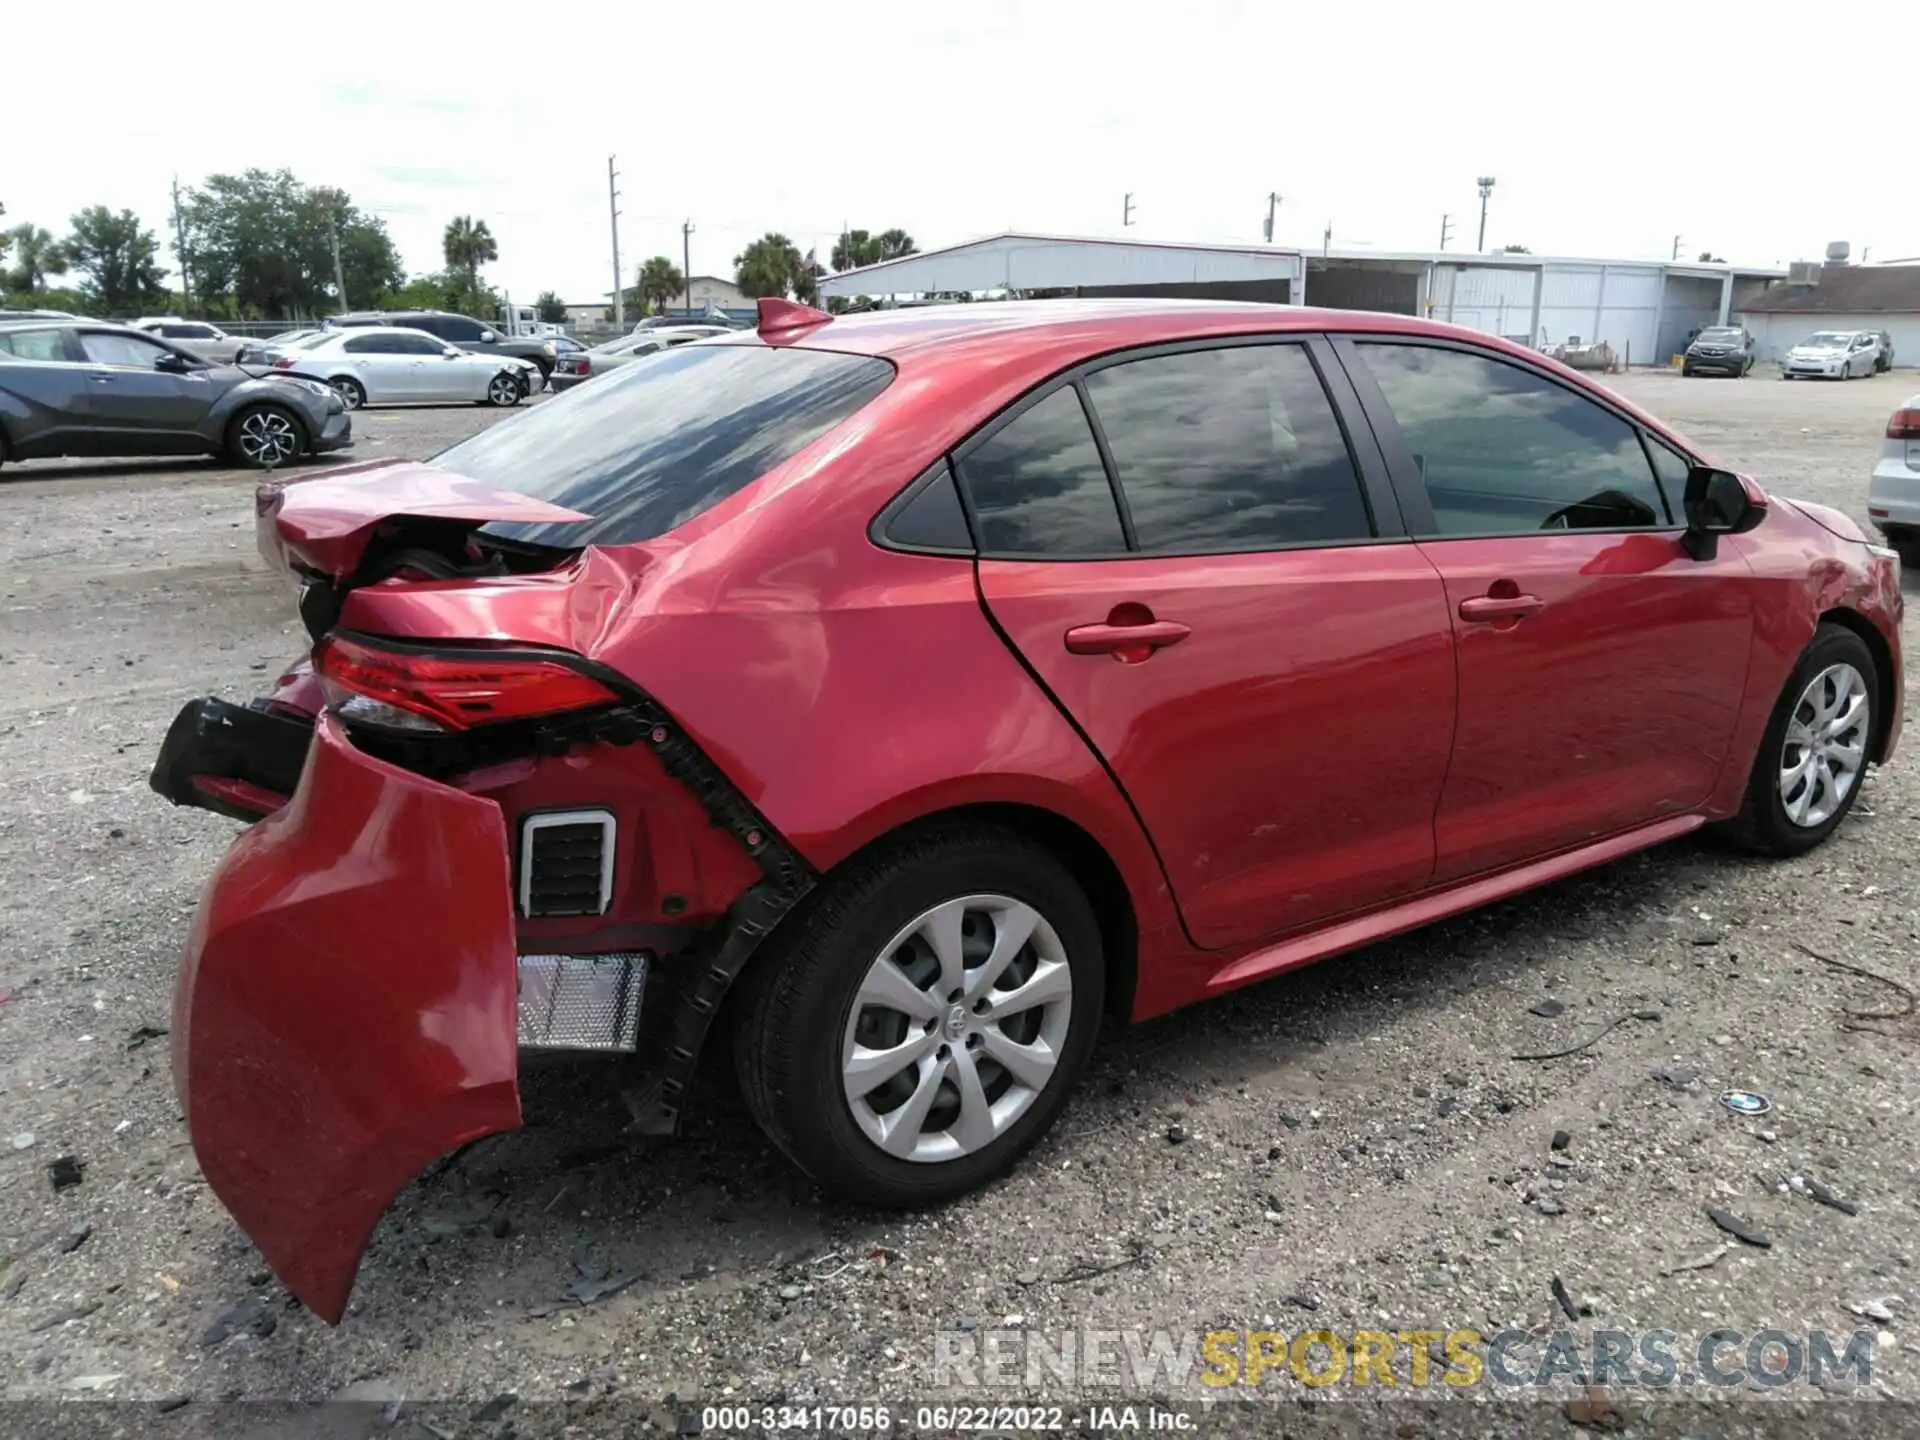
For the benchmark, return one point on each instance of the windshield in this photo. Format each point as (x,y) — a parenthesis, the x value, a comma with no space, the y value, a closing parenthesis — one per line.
(1719,333)
(1828,340)
(660,440)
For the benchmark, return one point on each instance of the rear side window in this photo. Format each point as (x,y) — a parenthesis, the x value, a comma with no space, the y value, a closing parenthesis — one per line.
(456,328)
(1038,486)
(373,345)
(33,344)
(656,442)
(1229,449)
(1505,451)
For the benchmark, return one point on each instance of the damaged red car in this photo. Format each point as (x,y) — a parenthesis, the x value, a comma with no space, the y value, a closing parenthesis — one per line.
(907,692)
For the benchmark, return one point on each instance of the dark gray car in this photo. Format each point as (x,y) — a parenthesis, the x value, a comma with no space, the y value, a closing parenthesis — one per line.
(86,388)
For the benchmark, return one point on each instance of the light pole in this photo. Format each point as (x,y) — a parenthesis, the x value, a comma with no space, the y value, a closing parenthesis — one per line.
(613,215)
(1486,188)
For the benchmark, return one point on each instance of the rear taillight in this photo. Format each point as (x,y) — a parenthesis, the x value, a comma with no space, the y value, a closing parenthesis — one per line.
(448,690)
(1905,425)
(283,363)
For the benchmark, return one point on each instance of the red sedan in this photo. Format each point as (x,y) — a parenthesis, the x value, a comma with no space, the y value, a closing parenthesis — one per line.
(908,691)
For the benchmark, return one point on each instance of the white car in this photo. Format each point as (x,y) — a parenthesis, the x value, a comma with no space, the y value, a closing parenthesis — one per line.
(1893,499)
(1834,354)
(392,365)
(197,337)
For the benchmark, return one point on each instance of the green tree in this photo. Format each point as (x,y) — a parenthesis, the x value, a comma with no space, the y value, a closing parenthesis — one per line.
(119,257)
(768,266)
(468,244)
(262,244)
(661,283)
(856,248)
(37,256)
(894,244)
(806,281)
(550,307)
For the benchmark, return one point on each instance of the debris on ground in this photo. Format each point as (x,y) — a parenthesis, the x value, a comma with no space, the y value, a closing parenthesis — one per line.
(1601,1033)
(63,1315)
(1563,1299)
(1176,1134)
(74,1238)
(1677,1079)
(141,1034)
(1712,1257)
(1547,1009)
(23,1140)
(1746,1102)
(593,1283)
(1561,1140)
(1811,1188)
(64,1171)
(254,1314)
(1879,1311)
(1906,993)
(1594,1411)
(495,1408)
(1741,1230)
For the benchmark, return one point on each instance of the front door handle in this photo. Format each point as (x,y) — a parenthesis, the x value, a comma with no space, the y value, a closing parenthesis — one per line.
(1130,634)
(1493,608)
(101,379)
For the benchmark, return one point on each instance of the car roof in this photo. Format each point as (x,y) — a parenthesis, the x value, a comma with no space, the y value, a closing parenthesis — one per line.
(1096,325)
(358,331)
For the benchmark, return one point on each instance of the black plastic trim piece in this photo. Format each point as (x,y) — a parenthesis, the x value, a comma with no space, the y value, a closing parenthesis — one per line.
(233,742)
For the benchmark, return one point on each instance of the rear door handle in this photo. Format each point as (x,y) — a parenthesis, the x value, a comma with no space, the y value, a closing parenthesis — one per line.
(1126,642)
(1487,608)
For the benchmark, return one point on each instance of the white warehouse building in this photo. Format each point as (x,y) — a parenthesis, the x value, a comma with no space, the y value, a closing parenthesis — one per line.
(1645,309)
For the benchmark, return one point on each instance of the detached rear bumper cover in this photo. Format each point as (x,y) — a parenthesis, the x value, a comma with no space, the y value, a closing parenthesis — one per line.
(345,1012)
(234,760)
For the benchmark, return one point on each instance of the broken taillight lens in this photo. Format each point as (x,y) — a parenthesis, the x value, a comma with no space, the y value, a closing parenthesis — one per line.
(448,689)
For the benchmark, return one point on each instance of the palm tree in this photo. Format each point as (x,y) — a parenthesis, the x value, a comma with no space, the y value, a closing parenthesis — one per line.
(768,266)
(659,281)
(468,244)
(892,244)
(37,255)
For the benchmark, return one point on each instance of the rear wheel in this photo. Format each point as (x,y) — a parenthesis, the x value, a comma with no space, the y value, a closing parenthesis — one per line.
(1813,756)
(263,437)
(351,394)
(922,1026)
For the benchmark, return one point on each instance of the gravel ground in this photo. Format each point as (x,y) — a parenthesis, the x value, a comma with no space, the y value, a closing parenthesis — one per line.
(1351,1147)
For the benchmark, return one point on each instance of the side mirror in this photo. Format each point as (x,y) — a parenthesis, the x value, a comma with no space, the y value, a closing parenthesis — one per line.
(1719,502)
(172,363)
(452,352)
(487,337)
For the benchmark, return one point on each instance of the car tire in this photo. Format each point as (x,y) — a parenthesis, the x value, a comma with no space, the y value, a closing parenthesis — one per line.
(801,1026)
(1766,824)
(351,392)
(505,390)
(1686,371)
(265,437)
(1904,543)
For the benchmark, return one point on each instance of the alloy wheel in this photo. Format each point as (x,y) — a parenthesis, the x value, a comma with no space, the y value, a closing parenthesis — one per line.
(349,394)
(267,438)
(1825,749)
(957,1027)
(503,389)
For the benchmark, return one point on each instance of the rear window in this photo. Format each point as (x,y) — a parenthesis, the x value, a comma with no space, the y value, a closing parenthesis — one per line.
(656,442)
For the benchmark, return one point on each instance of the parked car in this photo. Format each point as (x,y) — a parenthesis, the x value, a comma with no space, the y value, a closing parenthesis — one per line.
(712,316)
(573,370)
(1719,350)
(262,352)
(88,388)
(1834,354)
(196,337)
(1893,496)
(924,687)
(7,316)
(461,330)
(1883,351)
(393,365)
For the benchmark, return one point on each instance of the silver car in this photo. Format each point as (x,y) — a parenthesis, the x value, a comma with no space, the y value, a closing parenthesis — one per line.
(392,365)
(196,337)
(571,370)
(1832,355)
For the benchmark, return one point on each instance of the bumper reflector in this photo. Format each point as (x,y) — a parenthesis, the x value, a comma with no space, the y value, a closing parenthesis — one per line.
(581,1002)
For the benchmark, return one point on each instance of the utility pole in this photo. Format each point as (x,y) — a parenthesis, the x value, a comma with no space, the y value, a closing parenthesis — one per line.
(1126,209)
(686,260)
(1676,248)
(1485,183)
(1273,203)
(1446,229)
(339,275)
(1326,241)
(180,249)
(613,216)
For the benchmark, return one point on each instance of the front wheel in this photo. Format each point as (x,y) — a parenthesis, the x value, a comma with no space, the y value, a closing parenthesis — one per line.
(264,437)
(505,389)
(919,1028)
(1813,756)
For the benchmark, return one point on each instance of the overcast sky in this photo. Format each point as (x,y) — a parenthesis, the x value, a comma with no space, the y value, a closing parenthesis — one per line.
(1758,134)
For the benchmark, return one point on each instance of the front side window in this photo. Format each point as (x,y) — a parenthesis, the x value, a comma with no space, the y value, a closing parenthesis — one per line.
(1229,449)
(102,348)
(1505,451)
(657,442)
(1038,485)
(419,345)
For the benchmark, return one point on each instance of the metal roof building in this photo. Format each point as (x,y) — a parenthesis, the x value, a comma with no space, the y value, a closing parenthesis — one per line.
(1645,309)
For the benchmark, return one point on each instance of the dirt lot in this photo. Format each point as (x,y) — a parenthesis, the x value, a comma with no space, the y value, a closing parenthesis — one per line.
(1351,1147)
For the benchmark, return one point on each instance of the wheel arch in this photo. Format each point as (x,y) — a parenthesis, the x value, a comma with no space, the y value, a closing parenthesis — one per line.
(1884,698)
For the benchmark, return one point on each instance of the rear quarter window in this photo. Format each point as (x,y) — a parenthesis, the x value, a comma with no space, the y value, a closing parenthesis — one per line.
(662,439)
